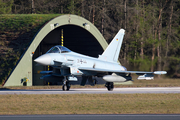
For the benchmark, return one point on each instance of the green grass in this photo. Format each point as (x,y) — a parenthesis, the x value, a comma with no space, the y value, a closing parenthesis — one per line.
(24,22)
(90,104)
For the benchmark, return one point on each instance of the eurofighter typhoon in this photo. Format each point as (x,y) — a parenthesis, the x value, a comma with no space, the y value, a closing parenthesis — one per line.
(67,65)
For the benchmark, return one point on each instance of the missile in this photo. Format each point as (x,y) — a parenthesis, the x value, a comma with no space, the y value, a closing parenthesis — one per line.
(146,77)
(150,76)
(52,78)
(116,78)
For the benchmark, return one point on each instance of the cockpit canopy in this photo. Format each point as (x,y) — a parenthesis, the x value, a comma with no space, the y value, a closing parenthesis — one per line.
(59,49)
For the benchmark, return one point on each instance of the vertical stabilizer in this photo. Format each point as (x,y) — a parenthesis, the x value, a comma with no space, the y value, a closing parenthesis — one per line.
(112,51)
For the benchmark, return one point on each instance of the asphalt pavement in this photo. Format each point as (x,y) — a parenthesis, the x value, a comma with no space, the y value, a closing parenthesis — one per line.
(95,91)
(92,117)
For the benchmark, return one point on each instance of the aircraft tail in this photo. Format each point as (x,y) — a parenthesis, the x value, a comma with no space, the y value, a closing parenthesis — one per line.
(112,51)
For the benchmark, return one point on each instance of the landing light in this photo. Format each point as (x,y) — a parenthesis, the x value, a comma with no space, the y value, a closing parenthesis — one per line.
(56,24)
(84,24)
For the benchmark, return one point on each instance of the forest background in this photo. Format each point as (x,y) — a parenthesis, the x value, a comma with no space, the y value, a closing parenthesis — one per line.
(152,39)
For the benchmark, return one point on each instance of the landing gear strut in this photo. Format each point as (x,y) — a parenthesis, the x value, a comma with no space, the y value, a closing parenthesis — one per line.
(66,85)
(109,85)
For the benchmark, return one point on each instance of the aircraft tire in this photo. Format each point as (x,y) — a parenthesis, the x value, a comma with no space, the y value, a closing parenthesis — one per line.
(110,86)
(64,87)
(68,86)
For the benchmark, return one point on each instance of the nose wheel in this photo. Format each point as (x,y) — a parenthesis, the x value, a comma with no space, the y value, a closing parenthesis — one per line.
(109,86)
(66,85)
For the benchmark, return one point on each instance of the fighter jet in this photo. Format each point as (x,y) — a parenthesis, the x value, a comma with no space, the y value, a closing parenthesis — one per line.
(67,65)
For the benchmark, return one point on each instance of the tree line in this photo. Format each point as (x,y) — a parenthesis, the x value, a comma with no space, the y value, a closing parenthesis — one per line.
(152,39)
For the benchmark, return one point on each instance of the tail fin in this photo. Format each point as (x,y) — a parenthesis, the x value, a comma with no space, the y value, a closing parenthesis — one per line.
(112,51)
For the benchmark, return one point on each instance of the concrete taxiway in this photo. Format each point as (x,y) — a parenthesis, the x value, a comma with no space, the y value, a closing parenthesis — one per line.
(91,117)
(96,91)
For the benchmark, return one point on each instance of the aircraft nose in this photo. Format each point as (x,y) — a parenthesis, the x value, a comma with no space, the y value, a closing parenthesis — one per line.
(44,59)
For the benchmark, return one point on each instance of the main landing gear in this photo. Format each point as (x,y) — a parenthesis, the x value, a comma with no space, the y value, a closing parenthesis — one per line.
(110,86)
(66,85)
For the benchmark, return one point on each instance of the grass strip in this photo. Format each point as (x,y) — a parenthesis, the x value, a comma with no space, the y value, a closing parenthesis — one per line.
(90,104)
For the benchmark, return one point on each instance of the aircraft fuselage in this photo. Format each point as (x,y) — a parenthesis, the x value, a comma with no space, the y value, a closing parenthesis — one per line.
(75,61)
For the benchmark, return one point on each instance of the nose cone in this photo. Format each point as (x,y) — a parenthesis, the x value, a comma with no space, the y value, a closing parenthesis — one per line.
(44,59)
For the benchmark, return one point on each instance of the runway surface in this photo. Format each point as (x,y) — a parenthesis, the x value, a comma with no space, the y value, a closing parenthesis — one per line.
(96,91)
(91,117)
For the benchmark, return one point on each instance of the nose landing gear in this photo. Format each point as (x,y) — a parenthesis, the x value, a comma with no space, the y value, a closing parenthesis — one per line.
(66,85)
(109,86)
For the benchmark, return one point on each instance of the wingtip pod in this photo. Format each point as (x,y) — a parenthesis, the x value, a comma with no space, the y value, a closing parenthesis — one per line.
(160,72)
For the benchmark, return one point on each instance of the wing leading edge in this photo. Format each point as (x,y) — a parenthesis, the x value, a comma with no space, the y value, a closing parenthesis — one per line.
(88,69)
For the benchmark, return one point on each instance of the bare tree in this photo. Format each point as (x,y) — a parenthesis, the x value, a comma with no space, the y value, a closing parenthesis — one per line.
(33,7)
(125,43)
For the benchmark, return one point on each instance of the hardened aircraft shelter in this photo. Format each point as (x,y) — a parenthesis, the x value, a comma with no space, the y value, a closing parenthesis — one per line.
(76,33)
